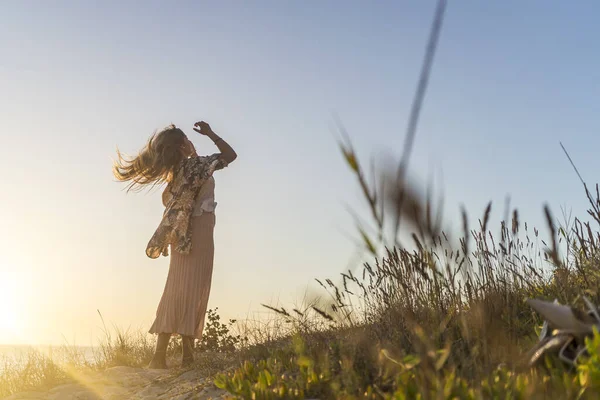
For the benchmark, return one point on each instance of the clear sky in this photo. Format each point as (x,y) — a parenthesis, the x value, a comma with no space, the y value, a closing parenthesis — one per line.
(79,78)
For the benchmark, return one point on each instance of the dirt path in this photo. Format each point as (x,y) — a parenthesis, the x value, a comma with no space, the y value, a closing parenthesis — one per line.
(126,383)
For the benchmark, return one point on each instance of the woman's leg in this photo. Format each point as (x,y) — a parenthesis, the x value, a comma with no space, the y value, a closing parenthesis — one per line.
(159,361)
(187,342)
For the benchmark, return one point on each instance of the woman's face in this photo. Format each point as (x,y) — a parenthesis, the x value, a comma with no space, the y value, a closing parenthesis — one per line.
(187,148)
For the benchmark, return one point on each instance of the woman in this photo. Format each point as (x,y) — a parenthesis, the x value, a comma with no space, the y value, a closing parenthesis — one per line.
(187,226)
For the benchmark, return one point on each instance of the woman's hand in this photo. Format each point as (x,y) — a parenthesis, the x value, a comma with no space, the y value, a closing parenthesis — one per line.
(227,152)
(203,128)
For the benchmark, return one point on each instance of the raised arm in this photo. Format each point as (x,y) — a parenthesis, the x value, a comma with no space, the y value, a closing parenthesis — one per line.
(227,152)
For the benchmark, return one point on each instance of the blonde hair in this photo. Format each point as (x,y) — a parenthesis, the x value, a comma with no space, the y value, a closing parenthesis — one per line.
(155,163)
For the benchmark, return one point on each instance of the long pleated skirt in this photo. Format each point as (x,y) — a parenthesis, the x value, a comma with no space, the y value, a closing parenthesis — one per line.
(182,308)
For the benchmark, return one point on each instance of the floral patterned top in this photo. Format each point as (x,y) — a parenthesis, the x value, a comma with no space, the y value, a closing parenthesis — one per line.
(175,228)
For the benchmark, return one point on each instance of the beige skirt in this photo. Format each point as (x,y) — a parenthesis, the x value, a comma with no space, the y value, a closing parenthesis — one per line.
(182,308)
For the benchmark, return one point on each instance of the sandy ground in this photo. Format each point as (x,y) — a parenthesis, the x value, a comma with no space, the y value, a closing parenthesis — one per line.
(132,383)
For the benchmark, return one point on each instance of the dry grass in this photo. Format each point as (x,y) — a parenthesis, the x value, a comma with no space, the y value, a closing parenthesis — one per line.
(456,306)
(38,369)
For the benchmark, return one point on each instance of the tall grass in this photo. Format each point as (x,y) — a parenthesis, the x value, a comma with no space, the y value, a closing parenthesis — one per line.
(39,369)
(35,370)
(451,312)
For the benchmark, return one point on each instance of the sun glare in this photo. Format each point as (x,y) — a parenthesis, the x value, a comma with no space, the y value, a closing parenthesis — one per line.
(9,316)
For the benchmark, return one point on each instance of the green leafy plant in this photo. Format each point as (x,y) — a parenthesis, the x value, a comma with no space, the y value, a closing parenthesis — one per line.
(217,336)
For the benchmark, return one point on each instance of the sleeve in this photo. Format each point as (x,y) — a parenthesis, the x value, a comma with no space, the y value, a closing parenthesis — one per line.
(202,167)
(216,161)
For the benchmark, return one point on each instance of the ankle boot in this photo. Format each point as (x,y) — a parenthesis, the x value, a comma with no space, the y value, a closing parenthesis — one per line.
(187,343)
(159,361)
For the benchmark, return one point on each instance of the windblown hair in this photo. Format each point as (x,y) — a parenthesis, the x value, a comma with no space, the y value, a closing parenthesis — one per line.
(155,163)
